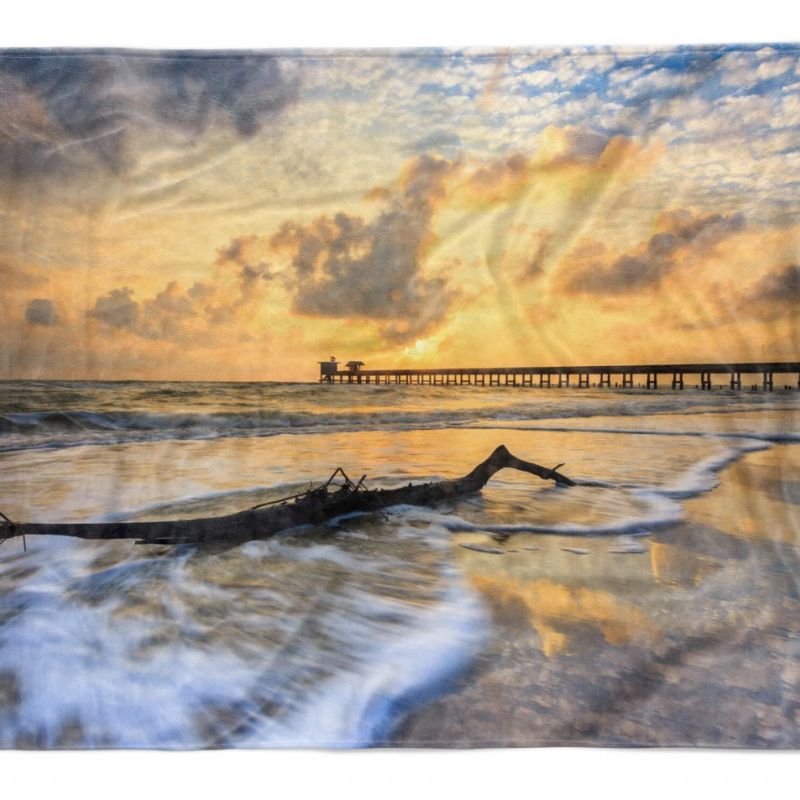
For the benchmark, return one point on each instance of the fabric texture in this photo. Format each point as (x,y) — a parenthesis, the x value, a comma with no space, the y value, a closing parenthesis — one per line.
(587,255)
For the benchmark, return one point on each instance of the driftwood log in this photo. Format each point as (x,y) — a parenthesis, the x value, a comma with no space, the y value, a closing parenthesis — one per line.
(317,505)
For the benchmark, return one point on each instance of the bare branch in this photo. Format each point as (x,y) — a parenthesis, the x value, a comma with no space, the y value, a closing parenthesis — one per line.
(317,505)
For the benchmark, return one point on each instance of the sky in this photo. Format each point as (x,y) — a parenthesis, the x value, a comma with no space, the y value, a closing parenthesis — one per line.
(242,216)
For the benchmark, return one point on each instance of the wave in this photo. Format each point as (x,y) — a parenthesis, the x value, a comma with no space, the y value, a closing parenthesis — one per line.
(618,507)
(770,437)
(275,414)
(635,509)
(360,708)
(283,670)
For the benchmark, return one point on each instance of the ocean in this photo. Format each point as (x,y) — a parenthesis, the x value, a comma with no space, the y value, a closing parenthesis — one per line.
(604,613)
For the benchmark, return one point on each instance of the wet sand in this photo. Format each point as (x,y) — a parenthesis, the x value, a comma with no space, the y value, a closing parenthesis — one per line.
(692,639)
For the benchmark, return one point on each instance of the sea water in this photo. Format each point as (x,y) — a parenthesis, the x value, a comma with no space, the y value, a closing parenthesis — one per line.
(326,636)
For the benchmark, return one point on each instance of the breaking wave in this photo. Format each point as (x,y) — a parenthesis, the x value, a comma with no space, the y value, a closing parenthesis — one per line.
(106,414)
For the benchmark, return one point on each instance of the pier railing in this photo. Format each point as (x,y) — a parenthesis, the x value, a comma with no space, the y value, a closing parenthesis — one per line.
(622,376)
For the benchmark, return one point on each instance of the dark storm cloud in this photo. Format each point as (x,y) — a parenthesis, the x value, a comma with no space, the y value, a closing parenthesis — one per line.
(646,266)
(68,111)
(41,312)
(344,266)
(234,250)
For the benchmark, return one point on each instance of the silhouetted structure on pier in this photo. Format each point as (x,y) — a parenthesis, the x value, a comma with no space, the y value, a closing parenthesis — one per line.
(620,376)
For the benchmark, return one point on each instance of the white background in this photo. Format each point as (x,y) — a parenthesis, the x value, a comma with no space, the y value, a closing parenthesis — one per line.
(383,775)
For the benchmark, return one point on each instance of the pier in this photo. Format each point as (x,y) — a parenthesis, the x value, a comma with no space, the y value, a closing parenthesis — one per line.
(622,376)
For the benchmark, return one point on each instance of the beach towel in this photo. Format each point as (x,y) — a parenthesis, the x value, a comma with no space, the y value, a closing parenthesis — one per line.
(417,398)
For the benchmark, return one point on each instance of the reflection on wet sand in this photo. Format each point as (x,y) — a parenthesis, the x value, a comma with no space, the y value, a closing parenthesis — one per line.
(674,566)
(696,641)
(760,495)
(556,610)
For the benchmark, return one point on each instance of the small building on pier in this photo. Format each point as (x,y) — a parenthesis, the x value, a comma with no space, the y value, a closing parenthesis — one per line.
(327,369)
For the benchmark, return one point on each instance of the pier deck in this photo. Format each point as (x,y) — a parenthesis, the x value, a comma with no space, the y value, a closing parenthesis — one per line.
(617,375)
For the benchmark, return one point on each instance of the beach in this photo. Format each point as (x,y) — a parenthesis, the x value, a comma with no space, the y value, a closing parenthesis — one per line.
(655,603)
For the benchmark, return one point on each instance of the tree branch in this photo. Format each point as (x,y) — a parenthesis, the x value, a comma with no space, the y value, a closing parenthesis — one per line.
(315,506)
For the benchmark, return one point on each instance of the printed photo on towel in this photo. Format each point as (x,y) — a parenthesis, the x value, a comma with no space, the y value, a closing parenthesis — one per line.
(415,398)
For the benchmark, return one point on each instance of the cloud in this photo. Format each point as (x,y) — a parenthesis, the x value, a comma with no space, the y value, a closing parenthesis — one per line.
(499,178)
(162,317)
(646,266)
(243,91)
(345,266)
(538,79)
(747,68)
(543,248)
(575,153)
(773,298)
(67,112)
(116,309)
(165,315)
(41,312)
(181,315)
(14,278)
(437,141)
(664,82)
(247,255)
(779,288)
(772,69)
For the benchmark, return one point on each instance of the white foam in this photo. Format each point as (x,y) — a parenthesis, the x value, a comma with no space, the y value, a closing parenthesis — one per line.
(359,708)
(661,506)
(704,476)
(660,511)
(75,659)
(319,552)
